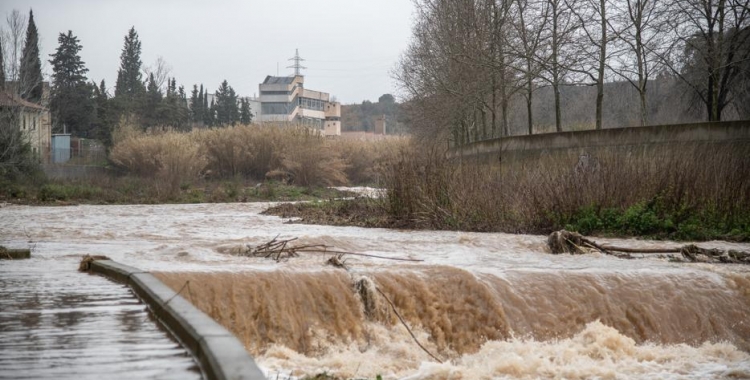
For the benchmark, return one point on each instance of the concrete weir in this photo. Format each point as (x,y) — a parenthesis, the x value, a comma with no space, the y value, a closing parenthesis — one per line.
(220,354)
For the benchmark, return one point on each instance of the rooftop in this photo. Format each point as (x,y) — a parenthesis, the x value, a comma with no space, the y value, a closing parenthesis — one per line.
(279,80)
(10,100)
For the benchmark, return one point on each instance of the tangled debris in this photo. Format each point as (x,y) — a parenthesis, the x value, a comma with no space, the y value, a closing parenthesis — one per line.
(574,243)
(282,249)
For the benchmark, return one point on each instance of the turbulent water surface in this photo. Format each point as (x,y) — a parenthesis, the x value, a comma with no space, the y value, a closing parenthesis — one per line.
(487,305)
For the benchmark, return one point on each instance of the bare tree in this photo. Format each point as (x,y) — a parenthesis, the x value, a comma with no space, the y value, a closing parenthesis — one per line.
(530,19)
(161,71)
(712,47)
(592,48)
(13,38)
(559,57)
(640,29)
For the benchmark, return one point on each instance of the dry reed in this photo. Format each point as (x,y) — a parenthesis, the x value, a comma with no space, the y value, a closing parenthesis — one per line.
(295,154)
(636,190)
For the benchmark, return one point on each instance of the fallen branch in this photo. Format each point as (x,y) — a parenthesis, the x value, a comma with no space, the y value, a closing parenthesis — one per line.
(358,254)
(281,249)
(643,250)
(393,307)
(574,243)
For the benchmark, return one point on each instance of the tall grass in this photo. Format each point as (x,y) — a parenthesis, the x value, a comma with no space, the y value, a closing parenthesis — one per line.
(253,152)
(693,191)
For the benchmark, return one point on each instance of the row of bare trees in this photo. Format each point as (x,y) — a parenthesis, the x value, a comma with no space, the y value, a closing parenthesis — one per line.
(470,59)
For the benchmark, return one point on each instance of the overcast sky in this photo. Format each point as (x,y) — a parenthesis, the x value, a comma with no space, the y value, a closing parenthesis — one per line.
(350,46)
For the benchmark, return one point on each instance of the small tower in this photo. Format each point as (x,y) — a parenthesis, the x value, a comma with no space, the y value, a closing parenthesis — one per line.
(297,66)
(380,125)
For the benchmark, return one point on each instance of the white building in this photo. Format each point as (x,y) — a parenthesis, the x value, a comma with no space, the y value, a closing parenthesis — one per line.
(284,99)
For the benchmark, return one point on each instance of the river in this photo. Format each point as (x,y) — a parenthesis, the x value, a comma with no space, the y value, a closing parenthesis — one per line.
(489,305)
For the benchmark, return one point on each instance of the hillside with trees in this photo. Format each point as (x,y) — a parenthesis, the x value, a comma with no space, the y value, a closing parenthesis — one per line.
(361,117)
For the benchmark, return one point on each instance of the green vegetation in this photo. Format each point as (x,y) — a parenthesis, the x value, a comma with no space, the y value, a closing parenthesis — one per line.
(133,190)
(649,219)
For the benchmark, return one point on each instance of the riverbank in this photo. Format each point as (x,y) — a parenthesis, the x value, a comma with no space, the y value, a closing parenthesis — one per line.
(639,220)
(134,190)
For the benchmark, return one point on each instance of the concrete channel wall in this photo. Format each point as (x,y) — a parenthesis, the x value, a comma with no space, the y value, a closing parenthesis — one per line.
(220,354)
(712,132)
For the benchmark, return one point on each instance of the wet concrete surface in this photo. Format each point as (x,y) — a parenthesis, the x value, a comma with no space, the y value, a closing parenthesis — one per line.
(56,322)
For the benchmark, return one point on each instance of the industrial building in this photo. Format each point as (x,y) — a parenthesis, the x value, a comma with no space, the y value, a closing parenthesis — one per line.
(285,99)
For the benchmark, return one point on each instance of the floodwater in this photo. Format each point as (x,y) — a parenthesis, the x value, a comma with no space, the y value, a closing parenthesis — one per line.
(489,305)
(58,323)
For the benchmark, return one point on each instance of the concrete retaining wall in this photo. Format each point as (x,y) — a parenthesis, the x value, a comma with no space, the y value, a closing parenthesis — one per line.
(730,131)
(219,353)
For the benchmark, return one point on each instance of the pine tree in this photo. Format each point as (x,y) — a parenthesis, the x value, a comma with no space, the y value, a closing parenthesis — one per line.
(101,128)
(227,111)
(129,87)
(194,107)
(201,105)
(232,107)
(152,107)
(246,117)
(211,115)
(70,98)
(30,72)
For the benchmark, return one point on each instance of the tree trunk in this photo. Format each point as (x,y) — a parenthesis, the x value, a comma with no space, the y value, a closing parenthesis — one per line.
(602,58)
(556,68)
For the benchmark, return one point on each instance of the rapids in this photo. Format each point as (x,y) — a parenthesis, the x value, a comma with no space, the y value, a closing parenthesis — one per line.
(491,305)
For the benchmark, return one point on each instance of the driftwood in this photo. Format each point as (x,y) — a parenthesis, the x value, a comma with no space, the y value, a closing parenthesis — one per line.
(574,243)
(282,249)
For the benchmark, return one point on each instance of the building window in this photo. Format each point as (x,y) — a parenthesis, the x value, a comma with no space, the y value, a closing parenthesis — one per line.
(276,108)
(275,93)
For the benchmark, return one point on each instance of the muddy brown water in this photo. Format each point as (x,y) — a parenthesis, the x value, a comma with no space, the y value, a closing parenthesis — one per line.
(57,323)
(492,306)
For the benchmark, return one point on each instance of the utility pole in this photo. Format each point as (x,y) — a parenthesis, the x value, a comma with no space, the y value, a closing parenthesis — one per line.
(297,63)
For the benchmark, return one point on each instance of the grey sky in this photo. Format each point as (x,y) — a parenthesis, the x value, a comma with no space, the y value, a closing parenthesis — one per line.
(350,45)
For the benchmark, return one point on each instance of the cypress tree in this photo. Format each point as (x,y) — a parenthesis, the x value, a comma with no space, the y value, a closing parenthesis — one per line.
(129,86)
(30,72)
(207,116)
(194,107)
(227,111)
(70,98)
(153,103)
(246,117)
(102,123)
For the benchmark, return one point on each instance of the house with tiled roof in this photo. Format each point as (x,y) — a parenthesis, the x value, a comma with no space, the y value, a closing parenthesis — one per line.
(31,119)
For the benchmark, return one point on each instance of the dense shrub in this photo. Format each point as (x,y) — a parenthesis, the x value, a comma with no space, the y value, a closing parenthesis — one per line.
(694,191)
(296,155)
